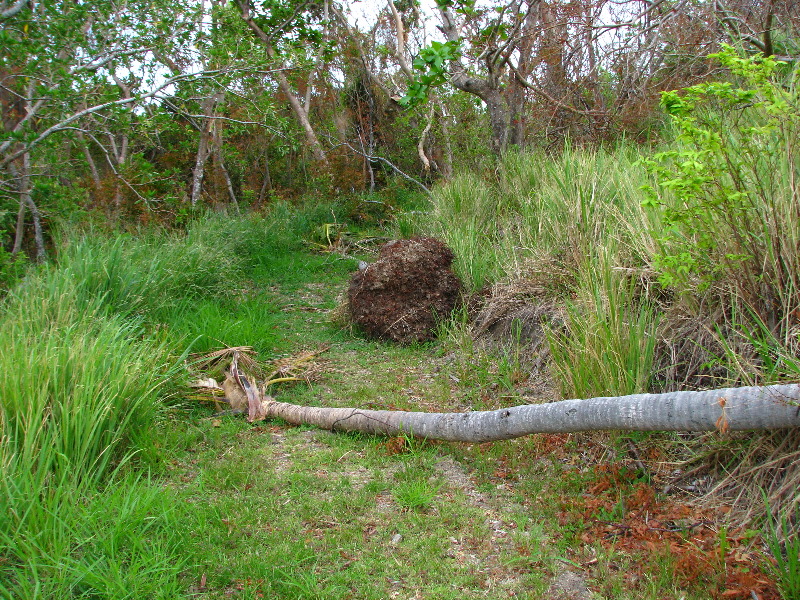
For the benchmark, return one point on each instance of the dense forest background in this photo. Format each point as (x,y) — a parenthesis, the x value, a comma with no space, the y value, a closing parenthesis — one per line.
(143,112)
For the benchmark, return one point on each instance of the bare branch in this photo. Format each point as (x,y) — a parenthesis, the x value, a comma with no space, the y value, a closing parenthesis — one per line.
(380,158)
(64,123)
(421,144)
(12,10)
(536,89)
(400,33)
(109,161)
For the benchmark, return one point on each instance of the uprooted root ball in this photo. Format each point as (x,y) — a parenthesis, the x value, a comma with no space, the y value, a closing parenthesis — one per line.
(401,296)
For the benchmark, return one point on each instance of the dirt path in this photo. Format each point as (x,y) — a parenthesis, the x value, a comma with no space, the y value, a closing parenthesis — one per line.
(503,546)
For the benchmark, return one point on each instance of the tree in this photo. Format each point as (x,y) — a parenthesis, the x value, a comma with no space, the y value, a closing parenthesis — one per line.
(66,66)
(281,18)
(729,409)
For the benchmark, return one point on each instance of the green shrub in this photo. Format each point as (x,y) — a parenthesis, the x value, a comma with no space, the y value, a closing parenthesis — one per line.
(728,190)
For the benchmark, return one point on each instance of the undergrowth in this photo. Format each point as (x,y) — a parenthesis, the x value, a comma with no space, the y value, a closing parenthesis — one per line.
(651,272)
(93,347)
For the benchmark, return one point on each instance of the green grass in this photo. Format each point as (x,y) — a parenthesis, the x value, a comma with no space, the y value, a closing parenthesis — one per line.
(81,393)
(123,541)
(228,509)
(568,207)
(608,344)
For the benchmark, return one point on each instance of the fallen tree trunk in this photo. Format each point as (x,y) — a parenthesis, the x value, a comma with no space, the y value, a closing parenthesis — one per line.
(729,409)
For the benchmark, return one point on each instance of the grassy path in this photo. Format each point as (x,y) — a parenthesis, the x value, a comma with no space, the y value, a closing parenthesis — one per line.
(283,512)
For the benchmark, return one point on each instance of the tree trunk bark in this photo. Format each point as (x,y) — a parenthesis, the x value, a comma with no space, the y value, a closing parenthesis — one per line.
(729,409)
(226,176)
(266,184)
(487,89)
(447,162)
(426,163)
(23,177)
(283,84)
(302,116)
(517,92)
(90,161)
(121,150)
(19,232)
(204,147)
(199,167)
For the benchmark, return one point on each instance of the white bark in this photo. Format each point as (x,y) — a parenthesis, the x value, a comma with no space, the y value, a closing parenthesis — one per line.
(204,145)
(426,164)
(90,161)
(400,46)
(19,232)
(120,151)
(23,177)
(224,170)
(748,408)
(7,13)
(285,87)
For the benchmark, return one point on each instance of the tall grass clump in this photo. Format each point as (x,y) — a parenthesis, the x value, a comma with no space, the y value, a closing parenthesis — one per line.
(152,273)
(81,388)
(464,215)
(608,343)
(564,206)
(146,274)
(570,205)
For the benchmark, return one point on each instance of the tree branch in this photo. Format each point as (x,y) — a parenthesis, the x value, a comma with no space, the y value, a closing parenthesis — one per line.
(64,123)
(12,10)
(536,89)
(380,158)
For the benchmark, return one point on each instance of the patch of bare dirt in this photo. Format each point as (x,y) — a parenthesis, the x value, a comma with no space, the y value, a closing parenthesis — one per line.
(569,585)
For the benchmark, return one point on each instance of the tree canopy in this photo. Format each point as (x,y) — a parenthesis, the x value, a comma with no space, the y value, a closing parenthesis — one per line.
(150,110)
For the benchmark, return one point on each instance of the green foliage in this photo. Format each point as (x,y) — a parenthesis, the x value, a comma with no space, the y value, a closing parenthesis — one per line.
(430,62)
(81,392)
(291,23)
(728,190)
(784,546)
(608,344)
(12,269)
(121,542)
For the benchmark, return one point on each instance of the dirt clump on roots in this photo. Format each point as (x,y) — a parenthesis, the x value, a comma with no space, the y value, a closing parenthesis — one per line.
(401,296)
